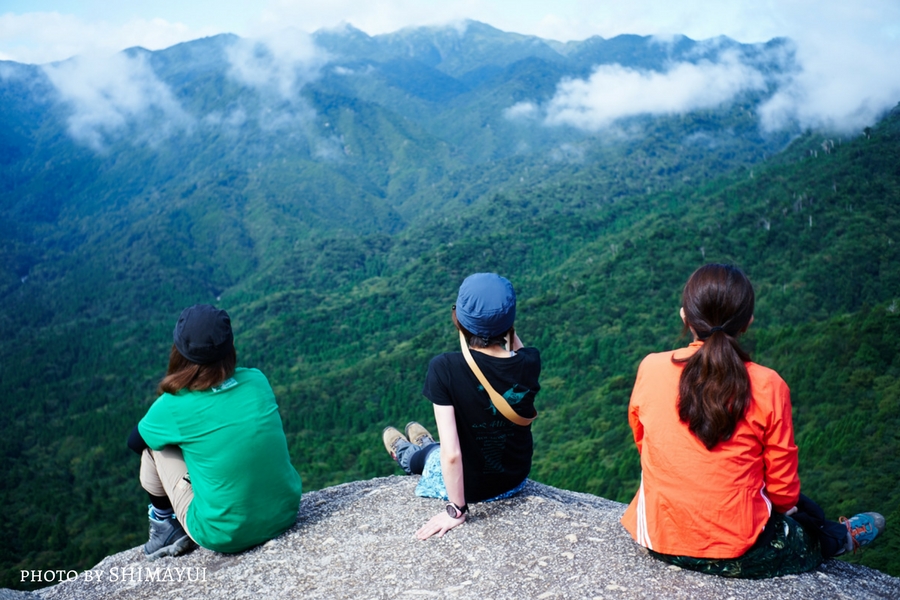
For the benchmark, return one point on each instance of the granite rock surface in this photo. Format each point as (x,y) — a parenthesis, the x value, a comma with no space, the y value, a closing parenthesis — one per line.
(357,541)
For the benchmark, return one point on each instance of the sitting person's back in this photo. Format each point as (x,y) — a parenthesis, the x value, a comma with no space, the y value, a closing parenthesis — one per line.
(496,453)
(719,487)
(483,400)
(214,458)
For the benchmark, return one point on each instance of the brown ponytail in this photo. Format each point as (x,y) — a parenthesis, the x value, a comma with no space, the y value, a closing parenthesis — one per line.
(714,390)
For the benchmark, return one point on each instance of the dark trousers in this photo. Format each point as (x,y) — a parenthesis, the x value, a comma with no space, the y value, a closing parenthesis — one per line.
(787,546)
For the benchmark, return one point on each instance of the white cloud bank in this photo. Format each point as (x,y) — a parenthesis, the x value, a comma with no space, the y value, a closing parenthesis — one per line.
(849,75)
(277,65)
(614,92)
(107,94)
(280,62)
(112,95)
(847,52)
(847,56)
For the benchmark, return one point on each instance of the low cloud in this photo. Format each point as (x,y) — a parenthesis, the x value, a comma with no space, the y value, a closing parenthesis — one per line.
(9,72)
(614,92)
(108,95)
(522,111)
(230,120)
(848,76)
(568,153)
(280,63)
(330,149)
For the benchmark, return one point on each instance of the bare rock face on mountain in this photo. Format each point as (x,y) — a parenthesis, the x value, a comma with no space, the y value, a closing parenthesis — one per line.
(357,541)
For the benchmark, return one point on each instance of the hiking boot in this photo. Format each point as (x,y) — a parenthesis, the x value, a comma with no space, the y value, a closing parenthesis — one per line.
(863,528)
(418,435)
(167,538)
(391,437)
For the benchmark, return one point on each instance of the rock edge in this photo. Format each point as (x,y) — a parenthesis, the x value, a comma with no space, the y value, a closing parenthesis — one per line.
(357,540)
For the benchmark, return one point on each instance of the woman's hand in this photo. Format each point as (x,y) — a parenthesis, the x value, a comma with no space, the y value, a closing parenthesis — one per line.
(439,524)
(452,470)
(516,344)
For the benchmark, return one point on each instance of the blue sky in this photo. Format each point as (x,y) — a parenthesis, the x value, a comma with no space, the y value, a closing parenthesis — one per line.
(848,51)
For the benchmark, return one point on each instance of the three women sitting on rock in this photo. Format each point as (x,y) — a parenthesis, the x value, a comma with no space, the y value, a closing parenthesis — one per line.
(719,488)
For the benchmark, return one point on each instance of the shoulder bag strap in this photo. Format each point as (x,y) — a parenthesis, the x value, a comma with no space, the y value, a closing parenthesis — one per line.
(498,401)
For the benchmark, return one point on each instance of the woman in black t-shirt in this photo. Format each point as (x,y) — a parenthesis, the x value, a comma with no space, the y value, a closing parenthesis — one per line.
(486,445)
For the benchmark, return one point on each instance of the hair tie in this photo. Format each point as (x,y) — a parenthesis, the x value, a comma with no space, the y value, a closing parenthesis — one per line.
(715,329)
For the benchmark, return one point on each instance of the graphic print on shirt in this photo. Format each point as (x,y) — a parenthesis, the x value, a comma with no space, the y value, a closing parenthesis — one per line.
(513,396)
(493,444)
(493,439)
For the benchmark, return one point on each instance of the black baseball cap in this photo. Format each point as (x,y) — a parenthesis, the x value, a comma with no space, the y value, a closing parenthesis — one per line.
(203,334)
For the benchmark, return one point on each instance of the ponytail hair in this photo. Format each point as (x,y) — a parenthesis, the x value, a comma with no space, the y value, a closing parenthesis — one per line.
(714,391)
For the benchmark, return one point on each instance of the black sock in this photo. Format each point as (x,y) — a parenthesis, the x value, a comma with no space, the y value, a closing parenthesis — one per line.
(162,506)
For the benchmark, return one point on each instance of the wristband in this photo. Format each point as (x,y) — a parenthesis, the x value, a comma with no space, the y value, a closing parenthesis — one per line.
(455,511)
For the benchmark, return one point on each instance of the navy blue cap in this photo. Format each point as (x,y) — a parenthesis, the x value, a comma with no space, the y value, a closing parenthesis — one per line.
(203,334)
(486,304)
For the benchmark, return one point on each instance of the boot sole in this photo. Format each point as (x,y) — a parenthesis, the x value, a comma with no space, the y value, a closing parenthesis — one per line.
(177,547)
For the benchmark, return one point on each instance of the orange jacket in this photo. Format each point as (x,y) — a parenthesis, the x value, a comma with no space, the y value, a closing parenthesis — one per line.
(708,503)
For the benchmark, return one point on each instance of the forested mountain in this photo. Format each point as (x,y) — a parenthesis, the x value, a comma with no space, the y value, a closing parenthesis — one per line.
(332,191)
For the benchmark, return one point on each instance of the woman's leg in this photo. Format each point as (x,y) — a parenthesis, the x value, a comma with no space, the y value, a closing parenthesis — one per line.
(164,473)
(411,458)
(431,483)
(784,548)
(418,459)
(834,538)
(164,476)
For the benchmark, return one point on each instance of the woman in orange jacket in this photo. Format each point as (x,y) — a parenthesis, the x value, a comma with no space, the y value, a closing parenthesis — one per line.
(719,487)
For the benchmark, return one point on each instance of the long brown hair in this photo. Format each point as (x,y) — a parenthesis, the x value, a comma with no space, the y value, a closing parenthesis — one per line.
(185,374)
(714,391)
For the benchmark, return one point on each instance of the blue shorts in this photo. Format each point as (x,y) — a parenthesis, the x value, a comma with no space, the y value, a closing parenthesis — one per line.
(431,483)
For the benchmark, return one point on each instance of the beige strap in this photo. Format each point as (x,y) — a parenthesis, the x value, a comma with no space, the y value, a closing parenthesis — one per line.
(499,401)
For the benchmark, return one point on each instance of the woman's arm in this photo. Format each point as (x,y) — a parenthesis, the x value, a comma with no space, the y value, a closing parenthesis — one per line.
(451,467)
(517,343)
(780,453)
(634,411)
(135,441)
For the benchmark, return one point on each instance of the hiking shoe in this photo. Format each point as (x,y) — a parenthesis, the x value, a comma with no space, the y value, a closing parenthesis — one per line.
(418,435)
(863,528)
(391,436)
(167,538)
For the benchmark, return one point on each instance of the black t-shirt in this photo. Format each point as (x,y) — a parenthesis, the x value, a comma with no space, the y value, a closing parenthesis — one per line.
(496,453)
